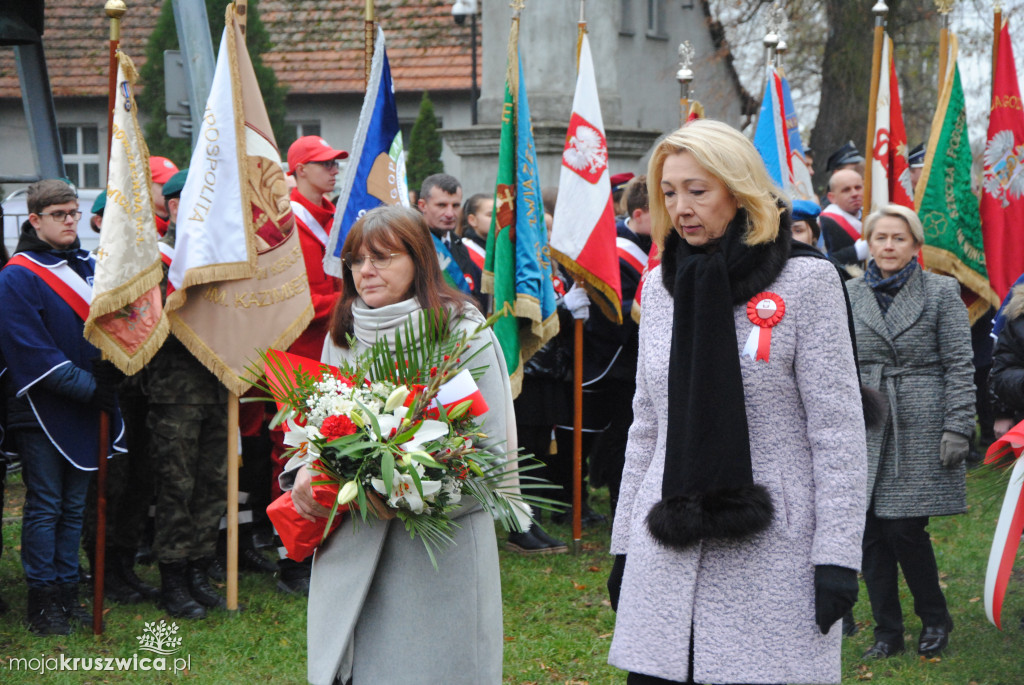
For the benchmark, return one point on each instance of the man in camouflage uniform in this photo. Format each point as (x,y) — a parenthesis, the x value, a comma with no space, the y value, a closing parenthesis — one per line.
(188,427)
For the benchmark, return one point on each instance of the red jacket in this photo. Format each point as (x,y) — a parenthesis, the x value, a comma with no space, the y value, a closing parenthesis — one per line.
(323,289)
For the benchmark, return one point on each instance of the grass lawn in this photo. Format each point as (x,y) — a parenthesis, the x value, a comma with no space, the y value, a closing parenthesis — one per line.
(557,620)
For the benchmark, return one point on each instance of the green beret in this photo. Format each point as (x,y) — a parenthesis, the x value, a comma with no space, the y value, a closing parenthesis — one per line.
(100,202)
(173,186)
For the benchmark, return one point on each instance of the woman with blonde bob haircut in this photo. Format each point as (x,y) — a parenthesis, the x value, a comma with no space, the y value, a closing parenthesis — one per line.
(908,216)
(729,156)
(742,499)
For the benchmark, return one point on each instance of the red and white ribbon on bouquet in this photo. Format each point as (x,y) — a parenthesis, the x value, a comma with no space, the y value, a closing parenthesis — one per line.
(1004,452)
(459,389)
(764,310)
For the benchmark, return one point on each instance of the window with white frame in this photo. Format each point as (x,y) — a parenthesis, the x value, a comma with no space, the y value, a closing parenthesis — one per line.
(80,146)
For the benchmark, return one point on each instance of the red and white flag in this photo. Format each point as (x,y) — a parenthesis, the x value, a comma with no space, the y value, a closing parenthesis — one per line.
(583,229)
(459,389)
(890,172)
(1002,197)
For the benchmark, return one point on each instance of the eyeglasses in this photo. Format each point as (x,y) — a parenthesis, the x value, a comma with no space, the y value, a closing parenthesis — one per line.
(354,262)
(329,164)
(61,216)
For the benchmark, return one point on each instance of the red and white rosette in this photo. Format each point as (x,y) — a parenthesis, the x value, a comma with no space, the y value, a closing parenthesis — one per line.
(764,310)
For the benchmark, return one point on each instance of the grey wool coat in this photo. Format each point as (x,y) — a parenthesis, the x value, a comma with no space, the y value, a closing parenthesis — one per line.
(919,355)
(750,603)
(379,612)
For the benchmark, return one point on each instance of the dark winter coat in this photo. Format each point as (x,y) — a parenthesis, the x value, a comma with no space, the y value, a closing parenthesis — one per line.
(919,355)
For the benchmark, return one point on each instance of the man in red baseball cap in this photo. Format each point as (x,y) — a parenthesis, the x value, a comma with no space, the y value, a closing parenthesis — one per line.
(160,169)
(314,164)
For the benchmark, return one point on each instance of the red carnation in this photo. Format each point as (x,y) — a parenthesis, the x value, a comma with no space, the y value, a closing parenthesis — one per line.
(337,427)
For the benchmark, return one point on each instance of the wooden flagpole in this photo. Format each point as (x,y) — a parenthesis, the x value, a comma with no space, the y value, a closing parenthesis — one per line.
(241,7)
(880,10)
(114,9)
(944,7)
(369,36)
(577,377)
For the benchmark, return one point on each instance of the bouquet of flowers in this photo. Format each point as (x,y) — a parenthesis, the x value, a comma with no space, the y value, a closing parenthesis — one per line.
(401,426)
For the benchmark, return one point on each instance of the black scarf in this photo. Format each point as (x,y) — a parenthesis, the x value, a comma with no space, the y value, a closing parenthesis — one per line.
(886,288)
(708,490)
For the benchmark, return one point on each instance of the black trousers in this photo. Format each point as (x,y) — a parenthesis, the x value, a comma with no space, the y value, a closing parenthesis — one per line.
(903,542)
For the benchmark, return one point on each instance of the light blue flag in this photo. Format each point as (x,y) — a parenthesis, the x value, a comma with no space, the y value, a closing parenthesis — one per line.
(533,268)
(451,272)
(375,174)
(770,136)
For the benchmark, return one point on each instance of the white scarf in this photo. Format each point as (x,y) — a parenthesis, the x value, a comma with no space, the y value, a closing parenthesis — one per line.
(370,324)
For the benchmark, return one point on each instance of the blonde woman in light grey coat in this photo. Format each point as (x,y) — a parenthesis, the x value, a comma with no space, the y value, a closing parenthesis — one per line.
(742,501)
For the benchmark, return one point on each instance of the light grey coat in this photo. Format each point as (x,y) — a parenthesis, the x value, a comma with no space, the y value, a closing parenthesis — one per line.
(379,612)
(750,603)
(919,355)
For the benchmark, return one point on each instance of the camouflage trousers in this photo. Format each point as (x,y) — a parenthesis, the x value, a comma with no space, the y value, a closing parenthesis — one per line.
(188,448)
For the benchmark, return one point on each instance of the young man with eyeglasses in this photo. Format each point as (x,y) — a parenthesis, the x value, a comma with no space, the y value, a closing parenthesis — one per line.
(55,387)
(315,165)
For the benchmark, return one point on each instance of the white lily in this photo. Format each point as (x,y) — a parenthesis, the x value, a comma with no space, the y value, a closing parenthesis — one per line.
(403,489)
(302,437)
(348,492)
(396,398)
(428,430)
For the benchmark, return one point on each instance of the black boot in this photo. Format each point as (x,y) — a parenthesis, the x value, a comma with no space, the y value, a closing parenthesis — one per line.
(45,613)
(199,586)
(124,563)
(74,612)
(174,595)
(293,576)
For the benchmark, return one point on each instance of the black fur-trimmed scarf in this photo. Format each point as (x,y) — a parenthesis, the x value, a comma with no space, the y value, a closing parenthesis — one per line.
(708,489)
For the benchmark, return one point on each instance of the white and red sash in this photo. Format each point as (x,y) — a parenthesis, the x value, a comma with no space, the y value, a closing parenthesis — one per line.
(631,253)
(306,217)
(62,279)
(166,253)
(847,222)
(476,253)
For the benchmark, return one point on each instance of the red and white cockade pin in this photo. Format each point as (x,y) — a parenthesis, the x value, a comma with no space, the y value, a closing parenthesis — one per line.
(764,311)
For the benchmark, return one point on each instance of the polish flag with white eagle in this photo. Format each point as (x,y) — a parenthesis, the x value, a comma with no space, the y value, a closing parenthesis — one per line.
(583,230)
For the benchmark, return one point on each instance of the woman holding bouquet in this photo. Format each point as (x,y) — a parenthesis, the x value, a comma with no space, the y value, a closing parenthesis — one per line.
(738,526)
(376,604)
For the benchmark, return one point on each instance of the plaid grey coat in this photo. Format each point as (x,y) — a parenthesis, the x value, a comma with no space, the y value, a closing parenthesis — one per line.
(919,355)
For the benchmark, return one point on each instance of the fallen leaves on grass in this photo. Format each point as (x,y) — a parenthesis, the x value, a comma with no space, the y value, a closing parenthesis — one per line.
(594,569)
(578,586)
(864,673)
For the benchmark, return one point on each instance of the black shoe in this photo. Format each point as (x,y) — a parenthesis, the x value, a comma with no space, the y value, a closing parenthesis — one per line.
(74,612)
(3,606)
(124,566)
(199,586)
(883,650)
(849,625)
(528,543)
(252,560)
(116,590)
(174,595)
(555,545)
(45,613)
(217,569)
(144,555)
(934,639)
(293,576)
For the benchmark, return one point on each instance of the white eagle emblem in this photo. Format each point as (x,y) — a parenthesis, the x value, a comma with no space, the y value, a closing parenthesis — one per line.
(585,151)
(1004,168)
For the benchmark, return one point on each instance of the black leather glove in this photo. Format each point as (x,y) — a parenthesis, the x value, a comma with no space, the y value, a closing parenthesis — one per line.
(107,377)
(106,373)
(835,593)
(615,580)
